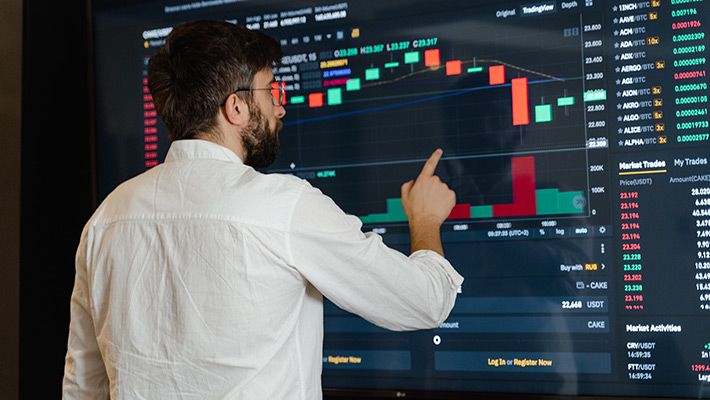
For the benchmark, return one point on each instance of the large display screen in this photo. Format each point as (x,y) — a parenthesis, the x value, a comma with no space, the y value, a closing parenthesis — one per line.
(575,134)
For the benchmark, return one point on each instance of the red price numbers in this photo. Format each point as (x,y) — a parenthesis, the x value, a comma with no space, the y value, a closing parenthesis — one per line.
(629,205)
(700,367)
(628,195)
(633,278)
(630,236)
(630,215)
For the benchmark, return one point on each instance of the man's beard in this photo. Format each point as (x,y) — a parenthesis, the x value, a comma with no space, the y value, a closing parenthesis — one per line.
(260,141)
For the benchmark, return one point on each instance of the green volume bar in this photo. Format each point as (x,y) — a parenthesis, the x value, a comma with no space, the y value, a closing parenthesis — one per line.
(392,65)
(547,201)
(482,212)
(372,74)
(543,113)
(552,201)
(565,101)
(297,100)
(571,202)
(352,84)
(374,218)
(335,96)
(411,57)
(396,210)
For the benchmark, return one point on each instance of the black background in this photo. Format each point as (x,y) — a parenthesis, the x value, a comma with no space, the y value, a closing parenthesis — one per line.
(56,184)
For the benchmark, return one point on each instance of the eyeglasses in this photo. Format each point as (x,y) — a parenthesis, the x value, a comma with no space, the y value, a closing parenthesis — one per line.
(278,92)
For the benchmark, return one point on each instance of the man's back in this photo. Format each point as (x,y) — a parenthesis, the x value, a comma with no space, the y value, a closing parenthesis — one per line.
(202,278)
(189,286)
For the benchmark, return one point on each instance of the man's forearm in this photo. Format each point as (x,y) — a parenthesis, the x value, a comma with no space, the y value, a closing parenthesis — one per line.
(425,237)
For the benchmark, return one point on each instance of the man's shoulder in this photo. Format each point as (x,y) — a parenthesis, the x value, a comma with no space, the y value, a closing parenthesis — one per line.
(287,181)
(123,195)
(270,190)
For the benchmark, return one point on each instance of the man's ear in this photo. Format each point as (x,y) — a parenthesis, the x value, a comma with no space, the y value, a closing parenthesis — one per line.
(236,111)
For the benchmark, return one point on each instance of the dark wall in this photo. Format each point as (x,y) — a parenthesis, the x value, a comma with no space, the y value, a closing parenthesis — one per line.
(56,184)
(10,90)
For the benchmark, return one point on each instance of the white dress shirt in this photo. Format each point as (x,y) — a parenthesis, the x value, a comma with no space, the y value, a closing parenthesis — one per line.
(203,279)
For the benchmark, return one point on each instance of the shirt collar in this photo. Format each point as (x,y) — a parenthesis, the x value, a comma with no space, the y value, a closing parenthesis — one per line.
(192,149)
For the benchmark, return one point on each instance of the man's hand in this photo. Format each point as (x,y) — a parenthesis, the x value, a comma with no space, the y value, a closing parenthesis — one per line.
(427,202)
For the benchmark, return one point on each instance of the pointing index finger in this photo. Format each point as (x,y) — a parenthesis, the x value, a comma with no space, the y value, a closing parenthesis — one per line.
(430,165)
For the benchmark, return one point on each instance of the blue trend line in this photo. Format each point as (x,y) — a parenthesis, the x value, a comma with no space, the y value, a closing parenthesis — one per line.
(407,103)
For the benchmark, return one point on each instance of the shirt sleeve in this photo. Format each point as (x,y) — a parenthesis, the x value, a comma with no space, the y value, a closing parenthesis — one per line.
(360,274)
(84,371)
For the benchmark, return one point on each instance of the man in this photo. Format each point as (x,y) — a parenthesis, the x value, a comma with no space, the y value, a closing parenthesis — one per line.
(203,278)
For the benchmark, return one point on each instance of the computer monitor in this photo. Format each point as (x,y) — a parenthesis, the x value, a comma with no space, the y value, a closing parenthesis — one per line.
(575,134)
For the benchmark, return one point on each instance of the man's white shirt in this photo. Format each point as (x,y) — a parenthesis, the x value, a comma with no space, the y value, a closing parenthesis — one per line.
(203,279)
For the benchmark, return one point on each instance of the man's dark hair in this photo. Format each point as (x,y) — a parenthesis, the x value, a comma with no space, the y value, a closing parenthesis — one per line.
(201,63)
